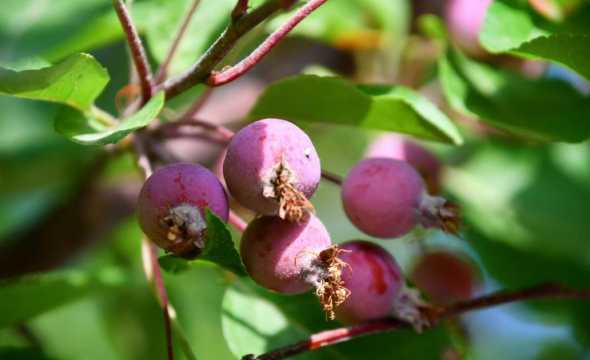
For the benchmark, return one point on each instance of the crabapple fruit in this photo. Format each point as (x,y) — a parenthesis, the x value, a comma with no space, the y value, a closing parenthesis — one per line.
(444,277)
(385,198)
(292,257)
(464,19)
(374,281)
(272,167)
(400,148)
(171,207)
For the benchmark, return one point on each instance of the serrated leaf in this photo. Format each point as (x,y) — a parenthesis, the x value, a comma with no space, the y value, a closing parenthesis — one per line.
(540,110)
(77,81)
(219,249)
(27,297)
(511,26)
(87,130)
(333,100)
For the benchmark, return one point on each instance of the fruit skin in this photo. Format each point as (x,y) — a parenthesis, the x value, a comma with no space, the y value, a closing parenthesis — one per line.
(445,277)
(277,252)
(397,147)
(381,197)
(464,19)
(253,156)
(374,280)
(182,185)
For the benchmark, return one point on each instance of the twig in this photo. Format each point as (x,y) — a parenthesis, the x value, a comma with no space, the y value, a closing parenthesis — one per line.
(331,337)
(234,72)
(163,70)
(237,221)
(199,72)
(331,177)
(240,9)
(137,50)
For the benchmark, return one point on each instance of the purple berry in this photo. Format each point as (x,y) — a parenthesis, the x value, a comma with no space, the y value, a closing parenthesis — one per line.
(374,280)
(397,147)
(272,168)
(385,198)
(465,19)
(293,257)
(171,207)
(445,277)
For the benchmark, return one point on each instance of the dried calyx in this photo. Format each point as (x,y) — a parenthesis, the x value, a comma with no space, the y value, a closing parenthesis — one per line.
(185,230)
(293,205)
(324,272)
(441,213)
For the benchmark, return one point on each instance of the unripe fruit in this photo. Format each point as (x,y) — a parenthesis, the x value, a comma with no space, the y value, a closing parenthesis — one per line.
(272,168)
(293,257)
(171,207)
(400,148)
(464,19)
(374,280)
(445,277)
(385,198)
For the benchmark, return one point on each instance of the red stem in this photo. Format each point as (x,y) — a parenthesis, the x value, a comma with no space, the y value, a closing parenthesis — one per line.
(137,51)
(163,70)
(161,290)
(237,221)
(331,177)
(331,337)
(234,72)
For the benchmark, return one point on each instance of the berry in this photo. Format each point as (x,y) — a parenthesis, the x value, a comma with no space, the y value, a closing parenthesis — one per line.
(293,257)
(272,168)
(465,19)
(385,198)
(171,207)
(397,147)
(444,277)
(374,281)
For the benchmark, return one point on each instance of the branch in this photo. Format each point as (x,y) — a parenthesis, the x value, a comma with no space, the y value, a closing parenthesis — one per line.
(163,70)
(137,50)
(331,337)
(200,71)
(231,74)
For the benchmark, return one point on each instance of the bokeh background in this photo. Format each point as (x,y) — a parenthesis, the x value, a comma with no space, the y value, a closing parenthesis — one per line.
(69,210)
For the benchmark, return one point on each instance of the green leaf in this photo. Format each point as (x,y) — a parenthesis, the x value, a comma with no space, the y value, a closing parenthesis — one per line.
(88,130)
(333,100)
(219,249)
(541,110)
(77,81)
(511,26)
(27,297)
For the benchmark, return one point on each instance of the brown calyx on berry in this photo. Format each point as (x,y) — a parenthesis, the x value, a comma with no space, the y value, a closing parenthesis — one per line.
(185,231)
(441,213)
(293,204)
(325,274)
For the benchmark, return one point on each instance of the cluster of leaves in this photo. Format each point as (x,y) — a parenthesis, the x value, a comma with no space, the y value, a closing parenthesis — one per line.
(523,204)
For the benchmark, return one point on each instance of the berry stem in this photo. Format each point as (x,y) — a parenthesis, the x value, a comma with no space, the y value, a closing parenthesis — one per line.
(237,222)
(138,53)
(331,177)
(236,71)
(335,336)
(200,71)
(163,70)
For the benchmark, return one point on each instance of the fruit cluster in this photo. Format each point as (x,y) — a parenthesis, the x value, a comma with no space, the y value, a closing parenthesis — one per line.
(272,168)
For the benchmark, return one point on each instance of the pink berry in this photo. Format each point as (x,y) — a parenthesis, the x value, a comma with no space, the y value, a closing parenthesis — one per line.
(400,148)
(445,277)
(293,257)
(374,280)
(172,203)
(464,20)
(385,198)
(272,168)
